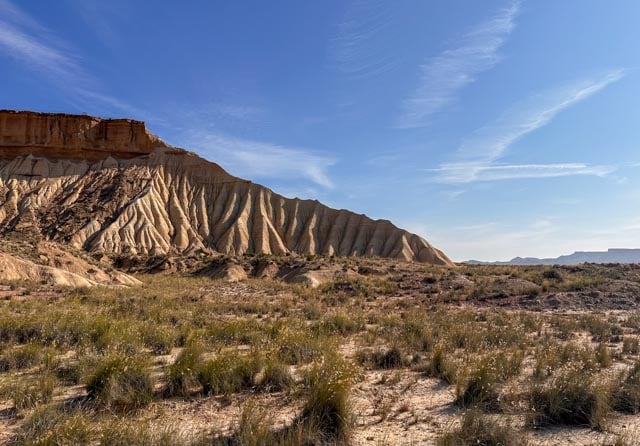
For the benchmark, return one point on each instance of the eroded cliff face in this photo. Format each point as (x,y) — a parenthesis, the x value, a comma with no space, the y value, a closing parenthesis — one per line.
(110,186)
(72,136)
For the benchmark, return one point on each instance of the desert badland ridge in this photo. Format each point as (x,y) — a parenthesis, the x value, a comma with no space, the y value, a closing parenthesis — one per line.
(109,185)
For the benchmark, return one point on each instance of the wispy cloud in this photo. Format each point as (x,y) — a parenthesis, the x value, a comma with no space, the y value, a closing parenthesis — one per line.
(31,44)
(477,156)
(239,112)
(459,173)
(445,75)
(216,116)
(361,46)
(104,18)
(254,159)
(492,141)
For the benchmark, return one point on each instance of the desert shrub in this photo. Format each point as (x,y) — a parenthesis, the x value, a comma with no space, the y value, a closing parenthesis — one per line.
(50,425)
(254,428)
(121,382)
(70,373)
(275,376)
(228,373)
(571,397)
(238,331)
(299,346)
(626,398)
(633,321)
(27,394)
(478,385)
(477,429)
(630,345)
(441,365)
(160,340)
(25,356)
(340,323)
(136,433)
(603,355)
(327,405)
(551,355)
(601,329)
(115,335)
(182,375)
(382,359)
(552,274)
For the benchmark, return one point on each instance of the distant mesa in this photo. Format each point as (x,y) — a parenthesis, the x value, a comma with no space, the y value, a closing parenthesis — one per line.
(618,255)
(110,186)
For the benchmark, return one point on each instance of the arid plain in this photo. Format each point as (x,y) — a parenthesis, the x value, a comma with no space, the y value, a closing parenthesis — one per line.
(150,298)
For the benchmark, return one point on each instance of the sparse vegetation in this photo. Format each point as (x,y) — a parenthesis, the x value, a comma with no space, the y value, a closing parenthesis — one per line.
(276,376)
(228,373)
(291,365)
(182,375)
(441,365)
(383,359)
(477,429)
(626,397)
(121,383)
(327,406)
(571,397)
(478,386)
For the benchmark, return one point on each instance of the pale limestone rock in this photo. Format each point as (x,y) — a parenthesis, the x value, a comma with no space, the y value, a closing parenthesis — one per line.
(14,268)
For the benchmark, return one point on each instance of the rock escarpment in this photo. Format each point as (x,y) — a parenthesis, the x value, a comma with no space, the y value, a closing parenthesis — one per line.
(83,137)
(110,186)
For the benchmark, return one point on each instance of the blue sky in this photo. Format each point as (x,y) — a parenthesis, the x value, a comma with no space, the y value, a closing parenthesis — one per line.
(494,128)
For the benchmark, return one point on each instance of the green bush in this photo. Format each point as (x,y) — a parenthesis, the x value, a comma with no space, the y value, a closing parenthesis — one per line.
(552,355)
(478,386)
(478,390)
(160,340)
(477,429)
(571,397)
(299,347)
(50,426)
(27,394)
(228,373)
(626,398)
(630,345)
(275,376)
(182,375)
(25,356)
(121,382)
(123,433)
(441,365)
(327,406)
(383,359)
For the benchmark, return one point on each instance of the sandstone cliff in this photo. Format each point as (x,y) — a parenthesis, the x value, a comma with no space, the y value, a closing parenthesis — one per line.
(111,186)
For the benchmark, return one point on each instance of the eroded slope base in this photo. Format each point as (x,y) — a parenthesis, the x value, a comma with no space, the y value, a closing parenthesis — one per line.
(171,201)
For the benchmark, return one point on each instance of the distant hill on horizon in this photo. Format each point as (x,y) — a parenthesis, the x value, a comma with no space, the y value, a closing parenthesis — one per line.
(613,255)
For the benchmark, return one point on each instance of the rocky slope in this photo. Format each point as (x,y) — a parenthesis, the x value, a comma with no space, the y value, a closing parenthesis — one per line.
(110,186)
